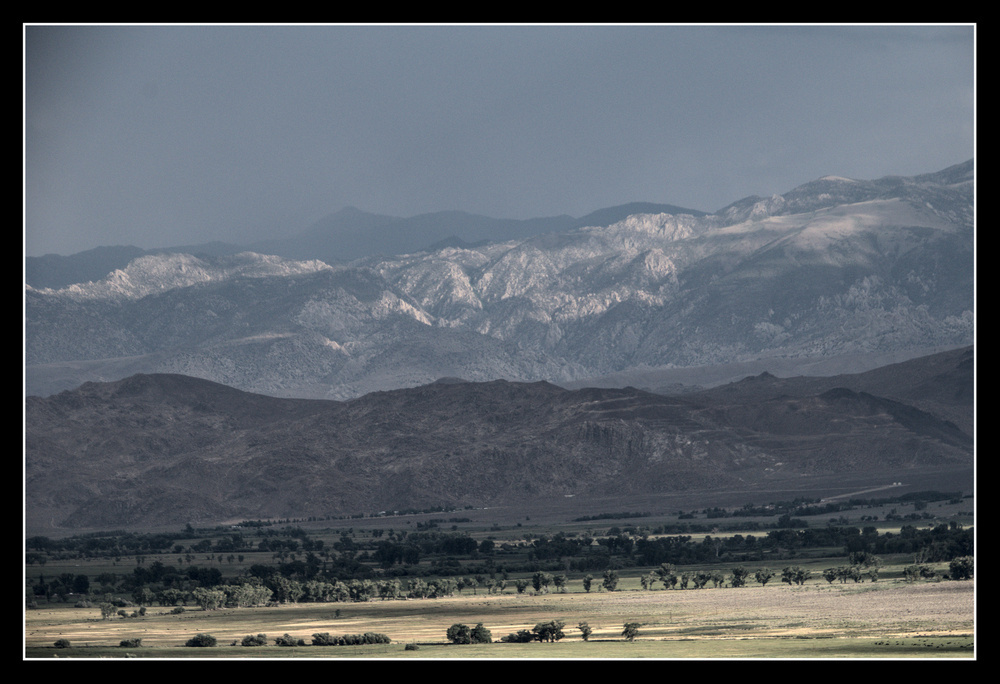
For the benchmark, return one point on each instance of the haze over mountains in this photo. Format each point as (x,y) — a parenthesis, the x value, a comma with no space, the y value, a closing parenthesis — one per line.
(218,383)
(857,270)
(341,237)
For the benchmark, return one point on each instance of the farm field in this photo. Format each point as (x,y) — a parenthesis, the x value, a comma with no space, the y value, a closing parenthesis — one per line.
(890,619)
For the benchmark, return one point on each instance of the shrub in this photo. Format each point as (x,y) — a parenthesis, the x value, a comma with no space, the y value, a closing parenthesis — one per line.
(918,570)
(327,639)
(134,642)
(286,640)
(62,643)
(201,640)
(459,634)
(411,647)
(962,568)
(481,635)
(177,610)
(251,640)
(550,631)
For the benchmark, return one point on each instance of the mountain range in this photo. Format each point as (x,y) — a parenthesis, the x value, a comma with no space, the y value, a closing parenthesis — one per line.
(164,450)
(862,271)
(340,237)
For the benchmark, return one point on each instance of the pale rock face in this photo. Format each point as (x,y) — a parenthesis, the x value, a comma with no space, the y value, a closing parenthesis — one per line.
(150,274)
(833,267)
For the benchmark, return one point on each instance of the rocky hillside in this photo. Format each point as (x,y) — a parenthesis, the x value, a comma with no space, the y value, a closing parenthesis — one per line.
(168,449)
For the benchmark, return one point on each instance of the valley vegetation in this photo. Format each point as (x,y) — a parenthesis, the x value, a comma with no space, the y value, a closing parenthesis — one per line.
(126,578)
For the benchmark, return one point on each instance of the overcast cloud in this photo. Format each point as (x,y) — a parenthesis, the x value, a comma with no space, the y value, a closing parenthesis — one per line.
(163,136)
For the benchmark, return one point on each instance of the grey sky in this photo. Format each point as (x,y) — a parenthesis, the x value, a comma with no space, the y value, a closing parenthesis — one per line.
(166,135)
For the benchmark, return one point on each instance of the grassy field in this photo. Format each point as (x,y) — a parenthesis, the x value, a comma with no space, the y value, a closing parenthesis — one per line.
(888,619)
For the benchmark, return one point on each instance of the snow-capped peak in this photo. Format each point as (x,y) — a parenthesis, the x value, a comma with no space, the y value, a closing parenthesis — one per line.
(159,273)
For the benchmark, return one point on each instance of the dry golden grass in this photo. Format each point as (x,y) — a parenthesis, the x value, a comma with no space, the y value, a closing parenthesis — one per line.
(772,614)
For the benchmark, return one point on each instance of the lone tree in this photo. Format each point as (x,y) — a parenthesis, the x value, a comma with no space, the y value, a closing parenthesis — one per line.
(631,630)
(586,630)
(739,576)
(764,576)
(610,579)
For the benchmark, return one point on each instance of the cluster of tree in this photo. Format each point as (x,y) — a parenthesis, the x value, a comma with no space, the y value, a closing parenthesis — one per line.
(107,544)
(61,586)
(795,575)
(559,546)
(667,575)
(861,565)
(409,551)
(610,516)
(549,632)
(320,591)
(541,581)
(398,552)
(321,639)
(552,631)
(855,573)
(463,634)
(811,507)
(110,607)
(961,568)
(917,571)
(326,639)
(940,543)
(250,591)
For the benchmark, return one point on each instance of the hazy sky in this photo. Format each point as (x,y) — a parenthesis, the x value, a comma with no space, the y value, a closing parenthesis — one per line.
(159,136)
